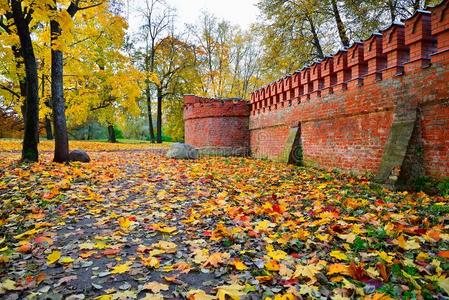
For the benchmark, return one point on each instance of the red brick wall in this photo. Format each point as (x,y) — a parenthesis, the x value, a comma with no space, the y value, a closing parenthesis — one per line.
(346,123)
(216,123)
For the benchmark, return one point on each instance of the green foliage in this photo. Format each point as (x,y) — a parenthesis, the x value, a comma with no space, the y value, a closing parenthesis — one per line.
(118,133)
(431,186)
(443,187)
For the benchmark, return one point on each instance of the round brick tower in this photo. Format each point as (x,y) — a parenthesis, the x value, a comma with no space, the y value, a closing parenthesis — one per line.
(217,126)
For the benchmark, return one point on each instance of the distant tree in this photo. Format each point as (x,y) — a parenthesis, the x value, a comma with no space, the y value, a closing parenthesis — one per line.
(157,18)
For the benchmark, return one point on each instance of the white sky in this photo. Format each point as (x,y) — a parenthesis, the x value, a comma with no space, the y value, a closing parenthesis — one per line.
(238,12)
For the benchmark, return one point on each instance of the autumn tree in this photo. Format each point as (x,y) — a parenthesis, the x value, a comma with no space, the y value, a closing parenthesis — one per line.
(101,82)
(19,17)
(226,57)
(157,18)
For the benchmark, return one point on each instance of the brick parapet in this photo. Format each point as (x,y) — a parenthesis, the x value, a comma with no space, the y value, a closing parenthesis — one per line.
(400,49)
(196,107)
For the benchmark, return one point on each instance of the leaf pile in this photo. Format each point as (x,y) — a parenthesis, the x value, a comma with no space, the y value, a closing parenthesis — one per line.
(135,225)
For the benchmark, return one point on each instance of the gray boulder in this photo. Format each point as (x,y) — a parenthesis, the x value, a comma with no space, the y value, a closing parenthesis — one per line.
(79,155)
(182,151)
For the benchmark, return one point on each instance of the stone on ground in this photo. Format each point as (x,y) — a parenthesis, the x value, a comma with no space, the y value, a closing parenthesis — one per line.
(182,151)
(79,155)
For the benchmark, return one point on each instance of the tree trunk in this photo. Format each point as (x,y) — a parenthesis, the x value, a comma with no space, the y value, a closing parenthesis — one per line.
(316,39)
(150,117)
(392,8)
(111,134)
(57,95)
(31,111)
(340,25)
(48,128)
(22,80)
(159,116)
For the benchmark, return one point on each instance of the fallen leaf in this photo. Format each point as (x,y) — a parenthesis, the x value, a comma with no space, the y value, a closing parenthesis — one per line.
(53,257)
(155,287)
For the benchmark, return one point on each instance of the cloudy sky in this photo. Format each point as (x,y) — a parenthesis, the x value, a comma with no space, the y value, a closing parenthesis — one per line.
(238,12)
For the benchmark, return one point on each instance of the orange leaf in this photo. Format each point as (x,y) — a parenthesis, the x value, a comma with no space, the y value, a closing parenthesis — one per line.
(383,272)
(444,253)
(25,248)
(338,269)
(110,252)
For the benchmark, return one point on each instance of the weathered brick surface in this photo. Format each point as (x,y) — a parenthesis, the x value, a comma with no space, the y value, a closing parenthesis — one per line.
(216,123)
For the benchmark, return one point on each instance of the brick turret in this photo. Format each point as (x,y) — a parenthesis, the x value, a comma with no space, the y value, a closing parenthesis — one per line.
(217,125)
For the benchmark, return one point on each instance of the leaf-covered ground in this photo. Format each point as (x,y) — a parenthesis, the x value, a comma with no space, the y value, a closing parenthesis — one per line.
(134,225)
(15,145)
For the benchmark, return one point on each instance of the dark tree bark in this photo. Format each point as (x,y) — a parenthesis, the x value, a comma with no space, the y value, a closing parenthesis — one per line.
(48,128)
(316,39)
(159,116)
(150,117)
(22,80)
(111,134)
(392,9)
(340,25)
(57,95)
(31,111)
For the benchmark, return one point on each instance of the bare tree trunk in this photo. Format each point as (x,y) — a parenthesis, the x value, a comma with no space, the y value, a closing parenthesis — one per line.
(150,117)
(48,128)
(340,25)
(111,133)
(316,39)
(159,116)
(31,111)
(57,94)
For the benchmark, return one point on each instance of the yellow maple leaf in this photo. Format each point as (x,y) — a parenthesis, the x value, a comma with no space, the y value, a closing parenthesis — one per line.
(66,260)
(53,257)
(167,247)
(101,245)
(339,255)
(104,297)
(407,245)
(151,262)
(233,291)
(272,265)
(215,259)
(350,237)
(167,229)
(385,257)
(239,265)
(124,223)
(155,287)
(308,271)
(27,233)
(199,295)
(119,269)
(8,285)
(263,225)
(153,297)
(277,255)
(338,269)
(87,246)
(201,255)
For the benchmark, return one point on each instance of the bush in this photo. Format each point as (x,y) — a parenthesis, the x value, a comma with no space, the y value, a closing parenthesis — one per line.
(432,187)
(443,187)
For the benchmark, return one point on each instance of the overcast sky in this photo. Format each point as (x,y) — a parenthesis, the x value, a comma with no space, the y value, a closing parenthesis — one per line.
(238,12)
